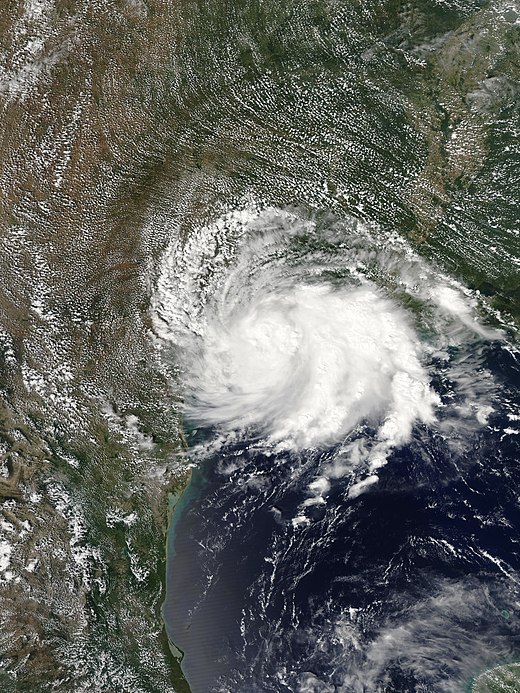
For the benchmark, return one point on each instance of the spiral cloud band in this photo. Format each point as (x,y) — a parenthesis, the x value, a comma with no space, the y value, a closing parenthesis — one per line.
(300,332)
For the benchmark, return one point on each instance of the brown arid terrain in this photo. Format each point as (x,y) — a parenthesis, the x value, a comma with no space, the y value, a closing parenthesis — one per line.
(119,120)
(88,424)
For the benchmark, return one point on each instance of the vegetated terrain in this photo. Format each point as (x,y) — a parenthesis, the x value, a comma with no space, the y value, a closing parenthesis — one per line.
(126,121)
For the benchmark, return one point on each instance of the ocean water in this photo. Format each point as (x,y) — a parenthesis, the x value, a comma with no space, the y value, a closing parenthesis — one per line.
(338,305)
(410,586)
(353,511)
(289,231)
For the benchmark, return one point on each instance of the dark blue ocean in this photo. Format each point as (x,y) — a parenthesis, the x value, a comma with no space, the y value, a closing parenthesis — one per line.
(411,586)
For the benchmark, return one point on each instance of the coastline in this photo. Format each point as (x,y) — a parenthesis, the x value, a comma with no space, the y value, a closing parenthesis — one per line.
(177,499)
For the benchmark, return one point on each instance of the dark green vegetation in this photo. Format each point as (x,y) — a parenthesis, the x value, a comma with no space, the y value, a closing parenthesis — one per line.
(398,113)
(503,679)
(133,120)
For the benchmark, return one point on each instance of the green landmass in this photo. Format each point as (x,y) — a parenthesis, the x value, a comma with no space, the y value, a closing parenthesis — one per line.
(501,679)
(128,121)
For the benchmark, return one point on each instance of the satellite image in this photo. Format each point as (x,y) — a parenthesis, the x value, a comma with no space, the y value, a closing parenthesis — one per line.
(259,352)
